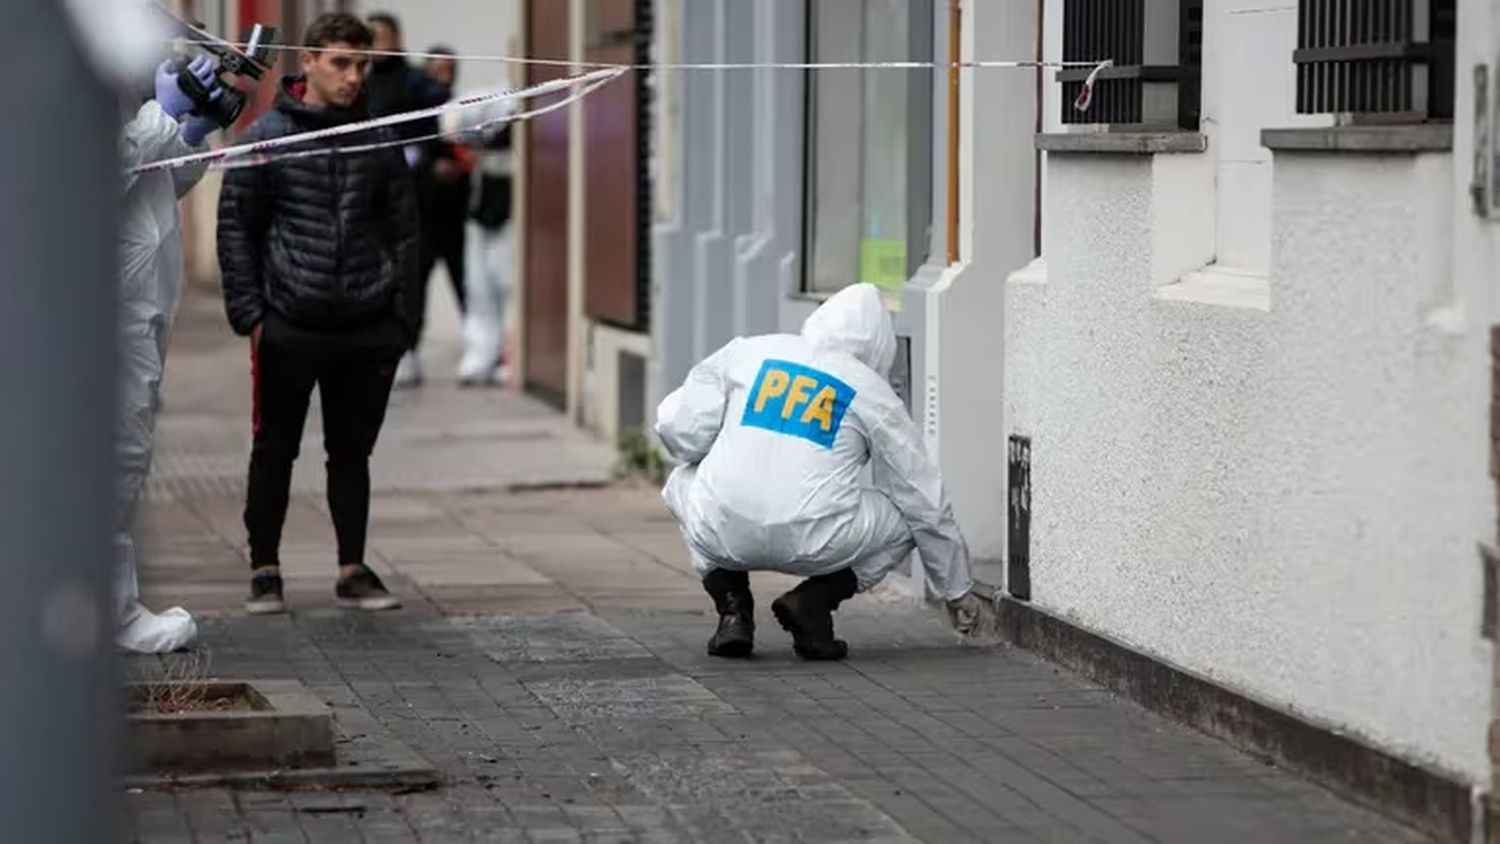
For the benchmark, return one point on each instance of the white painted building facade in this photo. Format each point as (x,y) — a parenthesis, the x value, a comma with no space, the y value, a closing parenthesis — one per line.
(1256,385)
(1254,378)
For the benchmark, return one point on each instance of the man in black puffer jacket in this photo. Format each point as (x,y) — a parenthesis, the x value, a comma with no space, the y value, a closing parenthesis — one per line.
(318,254)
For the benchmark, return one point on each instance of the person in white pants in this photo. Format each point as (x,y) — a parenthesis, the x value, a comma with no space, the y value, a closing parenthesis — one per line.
(150,289)
(487,282)
(774,434)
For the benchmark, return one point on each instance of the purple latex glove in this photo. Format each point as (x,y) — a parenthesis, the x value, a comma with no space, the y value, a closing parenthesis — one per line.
(170,96)
(198,127)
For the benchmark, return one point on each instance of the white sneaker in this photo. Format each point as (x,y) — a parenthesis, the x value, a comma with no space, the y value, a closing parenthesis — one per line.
(408,372)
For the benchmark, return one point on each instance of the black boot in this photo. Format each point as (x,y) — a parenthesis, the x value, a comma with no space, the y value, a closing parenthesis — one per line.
(806,612)
(730,590)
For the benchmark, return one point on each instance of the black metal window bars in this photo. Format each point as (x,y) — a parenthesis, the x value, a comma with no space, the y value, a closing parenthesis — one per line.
(1157,48)
(1383,60)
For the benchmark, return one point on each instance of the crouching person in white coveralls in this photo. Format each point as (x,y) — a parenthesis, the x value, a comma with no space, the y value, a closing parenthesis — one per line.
(773,433)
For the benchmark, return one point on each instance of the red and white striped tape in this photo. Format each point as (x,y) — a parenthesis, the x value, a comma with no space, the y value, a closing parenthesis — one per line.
(264,148)
(257,159)
(580,65)
(262,152)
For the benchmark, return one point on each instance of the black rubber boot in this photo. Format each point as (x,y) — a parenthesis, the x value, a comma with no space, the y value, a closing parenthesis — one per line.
(735,638)
(806,612)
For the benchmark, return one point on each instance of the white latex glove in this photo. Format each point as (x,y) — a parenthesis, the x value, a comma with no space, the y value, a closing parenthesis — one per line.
(967,612)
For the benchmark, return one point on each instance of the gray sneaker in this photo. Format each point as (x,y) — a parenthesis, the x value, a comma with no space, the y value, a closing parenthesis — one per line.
(265,595)
(364,591)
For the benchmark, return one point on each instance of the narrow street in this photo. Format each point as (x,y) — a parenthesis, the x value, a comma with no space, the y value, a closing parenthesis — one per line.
(549,664)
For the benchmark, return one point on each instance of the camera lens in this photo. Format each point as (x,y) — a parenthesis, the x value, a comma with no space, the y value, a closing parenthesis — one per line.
(228,106)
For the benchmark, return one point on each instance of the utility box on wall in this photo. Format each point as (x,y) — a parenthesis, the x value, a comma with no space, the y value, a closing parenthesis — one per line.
(1018,521)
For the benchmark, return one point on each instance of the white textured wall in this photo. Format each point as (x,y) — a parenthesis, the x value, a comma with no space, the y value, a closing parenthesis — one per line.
(1275,479)
(1286,501)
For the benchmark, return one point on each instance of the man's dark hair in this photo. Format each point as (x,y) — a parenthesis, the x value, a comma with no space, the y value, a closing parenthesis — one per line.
(386,18)
(441,50)
(338,28)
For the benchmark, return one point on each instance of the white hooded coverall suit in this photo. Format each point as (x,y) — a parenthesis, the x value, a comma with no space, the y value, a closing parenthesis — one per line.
(150,288)
(774,433)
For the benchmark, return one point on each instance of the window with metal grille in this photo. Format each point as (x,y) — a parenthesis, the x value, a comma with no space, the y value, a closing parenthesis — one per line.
(1387,58)
(1157,48)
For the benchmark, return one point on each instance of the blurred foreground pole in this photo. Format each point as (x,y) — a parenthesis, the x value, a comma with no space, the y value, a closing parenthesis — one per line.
(59,182)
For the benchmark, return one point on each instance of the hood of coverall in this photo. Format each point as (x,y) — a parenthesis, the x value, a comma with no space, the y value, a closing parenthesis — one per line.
(855,321)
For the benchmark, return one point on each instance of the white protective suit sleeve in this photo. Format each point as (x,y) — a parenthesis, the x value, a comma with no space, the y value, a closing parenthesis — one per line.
(152,135)
(903,469)
(688,420)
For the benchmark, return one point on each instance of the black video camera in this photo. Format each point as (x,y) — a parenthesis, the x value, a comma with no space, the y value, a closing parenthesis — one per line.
(252,62)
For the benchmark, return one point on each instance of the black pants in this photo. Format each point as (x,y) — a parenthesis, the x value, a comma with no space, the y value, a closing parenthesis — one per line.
(444,210)
(354,387)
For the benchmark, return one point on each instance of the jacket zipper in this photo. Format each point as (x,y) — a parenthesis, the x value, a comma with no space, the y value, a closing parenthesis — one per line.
(338,226)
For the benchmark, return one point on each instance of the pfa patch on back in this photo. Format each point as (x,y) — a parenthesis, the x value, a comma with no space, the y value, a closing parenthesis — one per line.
(798,401)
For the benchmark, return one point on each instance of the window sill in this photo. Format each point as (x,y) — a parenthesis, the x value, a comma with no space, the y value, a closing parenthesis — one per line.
(1405,139)
(1122,143)
(1225,287)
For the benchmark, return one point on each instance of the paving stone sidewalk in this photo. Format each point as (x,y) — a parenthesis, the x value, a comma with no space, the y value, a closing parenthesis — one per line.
(435,438)
(549,663)
(612,725)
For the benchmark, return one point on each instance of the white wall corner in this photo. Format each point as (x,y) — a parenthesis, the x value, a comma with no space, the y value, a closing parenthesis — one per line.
(1183,225)
(959,402)
(1436,245)
(1033,273)
(971,420)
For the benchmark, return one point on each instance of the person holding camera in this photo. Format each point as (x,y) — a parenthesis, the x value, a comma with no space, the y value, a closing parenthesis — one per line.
(318,255)
(166,126)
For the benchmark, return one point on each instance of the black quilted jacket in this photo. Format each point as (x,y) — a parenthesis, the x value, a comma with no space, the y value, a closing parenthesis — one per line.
(327,242)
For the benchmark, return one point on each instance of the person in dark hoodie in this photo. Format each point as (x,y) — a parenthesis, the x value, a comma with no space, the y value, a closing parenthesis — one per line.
(318,254)
(398,86)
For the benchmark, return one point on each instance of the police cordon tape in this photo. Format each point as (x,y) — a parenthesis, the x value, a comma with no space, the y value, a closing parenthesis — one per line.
(265,152)
(872,65)
(263,148)
(257,159)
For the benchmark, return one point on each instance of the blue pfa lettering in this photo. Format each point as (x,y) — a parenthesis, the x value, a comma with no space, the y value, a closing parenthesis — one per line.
(798,401)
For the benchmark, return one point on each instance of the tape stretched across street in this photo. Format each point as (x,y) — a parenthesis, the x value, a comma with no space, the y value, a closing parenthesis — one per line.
(257,159)
(592,80)
(891,65)
(269,150)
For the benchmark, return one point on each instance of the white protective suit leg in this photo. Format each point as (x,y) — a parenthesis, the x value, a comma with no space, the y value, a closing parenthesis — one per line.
(872,541)
(142,363)
(143,354)
(140,373)
(881,539)
(486,287)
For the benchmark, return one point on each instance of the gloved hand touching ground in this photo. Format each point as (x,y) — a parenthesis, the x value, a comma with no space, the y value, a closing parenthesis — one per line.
(969,613)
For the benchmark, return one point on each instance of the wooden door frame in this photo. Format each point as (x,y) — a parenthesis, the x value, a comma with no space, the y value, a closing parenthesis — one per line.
(555,394)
